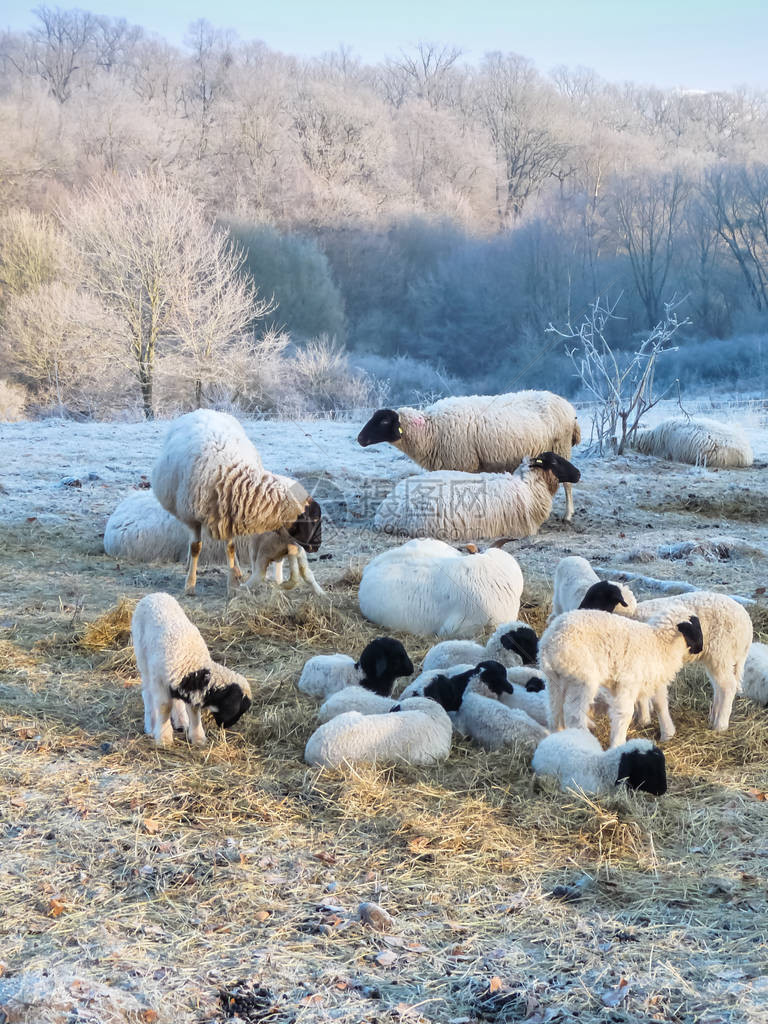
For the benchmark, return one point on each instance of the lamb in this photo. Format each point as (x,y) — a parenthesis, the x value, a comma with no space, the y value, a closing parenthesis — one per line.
(140,530)
(584,651)
(444,685)
(415,731)
(179,675)
(575,758)
(354,698)
(479,433)
(210,475)
(528,692)
(699,441)
(486,720)
(426,587)
(458,506)
(513,643)
(574,577)
(382,662)
(727,630)
(755,682)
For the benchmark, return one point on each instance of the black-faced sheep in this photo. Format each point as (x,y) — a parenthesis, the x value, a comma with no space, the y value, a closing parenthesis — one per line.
(575,758)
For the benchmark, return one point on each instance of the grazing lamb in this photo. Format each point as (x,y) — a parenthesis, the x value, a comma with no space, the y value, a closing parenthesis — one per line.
(178,674)
(528,692)
(698,441)
(574,577)
(354,698)
(575,758)
(426,587)
(479,433)
(755,682)
(727,630)
(485,719)
(458,506)
(209,475)
(513,643)
(382,662)
(140,530)
(586,652)
(416,731)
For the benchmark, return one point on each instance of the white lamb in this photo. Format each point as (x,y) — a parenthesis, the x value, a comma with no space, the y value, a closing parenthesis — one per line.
(490,723)
(354,698)
(427,587)
(458,506)
(586,652)
(727,630)
(416,731)
(479,433)
(574,577)
(210,475)
(178,674)
(755,682)
(575,758)
(699,441)
(382,661)
(513,643)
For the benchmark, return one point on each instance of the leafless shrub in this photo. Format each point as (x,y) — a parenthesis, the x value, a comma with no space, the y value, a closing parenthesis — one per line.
(13,401)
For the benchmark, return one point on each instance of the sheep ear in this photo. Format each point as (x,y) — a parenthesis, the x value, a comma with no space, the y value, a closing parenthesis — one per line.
(535,685)
(397,707)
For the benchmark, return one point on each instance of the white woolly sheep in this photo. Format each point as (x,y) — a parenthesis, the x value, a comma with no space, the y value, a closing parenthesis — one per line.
(485,719)
(427,587)
(479,433)
(584,652)
(727,630)
(575,758)
(416,731)
(354,698)
(210,475)
(176,666)
(699,441)
(382,662)
(458,506)
(574,576)
(755,682)
(513,643)
(529,693)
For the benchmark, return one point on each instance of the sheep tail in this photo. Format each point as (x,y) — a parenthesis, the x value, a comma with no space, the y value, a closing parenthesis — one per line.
(576,436)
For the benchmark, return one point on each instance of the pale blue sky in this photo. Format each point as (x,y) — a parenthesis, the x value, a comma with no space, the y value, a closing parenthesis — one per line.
(697,44)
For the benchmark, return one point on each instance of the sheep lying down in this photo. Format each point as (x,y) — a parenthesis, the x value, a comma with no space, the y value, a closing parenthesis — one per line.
(755,682)
(381,663)
(575,758)
(415,731)
(513,643)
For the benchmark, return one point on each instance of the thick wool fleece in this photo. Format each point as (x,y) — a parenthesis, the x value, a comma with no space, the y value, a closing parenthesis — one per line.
(755,682)
(699,441)
(424,590)
(583,652)
(727,631)
(534,701)
(462,506)
(573,578)
(493,725)
(575,758)
(354,698)
(466,652)
(418,733)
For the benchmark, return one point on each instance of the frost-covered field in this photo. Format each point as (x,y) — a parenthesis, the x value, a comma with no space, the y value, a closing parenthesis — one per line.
(165,876)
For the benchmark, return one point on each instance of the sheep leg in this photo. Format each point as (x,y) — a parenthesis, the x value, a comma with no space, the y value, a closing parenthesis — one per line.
(278,571)
(568,488)
(163,730)
(722,703)
(575,707)
(661,704)
(620,715)
(149,712)
(642,714)
(308,575)
(195,732)
(195,547)
(294,578)
(235,575)
(179,717)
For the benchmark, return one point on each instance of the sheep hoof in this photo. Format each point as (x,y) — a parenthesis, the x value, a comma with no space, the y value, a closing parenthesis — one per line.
(190,592)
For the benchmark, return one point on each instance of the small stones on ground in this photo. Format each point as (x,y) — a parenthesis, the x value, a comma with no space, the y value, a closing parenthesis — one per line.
(375,916)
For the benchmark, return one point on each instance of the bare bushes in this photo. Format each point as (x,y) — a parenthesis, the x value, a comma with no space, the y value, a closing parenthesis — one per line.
(13,401)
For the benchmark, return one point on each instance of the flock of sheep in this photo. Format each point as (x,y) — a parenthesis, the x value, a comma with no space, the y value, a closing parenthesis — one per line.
(602,651)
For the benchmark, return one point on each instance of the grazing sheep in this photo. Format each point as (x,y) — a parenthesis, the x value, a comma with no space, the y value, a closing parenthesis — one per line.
(426,587)
(479,433)
(210,475)
(382,662)
(416,731)
(485,719)
(354,698)
(528,693)
(584,652)
(458,506)
(574,577)
(513,643)
(575,758)
(727,630)
(178,673)
(698,441)
(140,530)
(755,682)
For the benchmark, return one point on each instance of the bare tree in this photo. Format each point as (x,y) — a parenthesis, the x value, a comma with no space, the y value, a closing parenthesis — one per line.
(621,384)
(31,252)
(424,73)
(61,45)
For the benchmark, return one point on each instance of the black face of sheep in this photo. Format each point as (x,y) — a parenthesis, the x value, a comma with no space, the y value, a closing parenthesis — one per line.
(384,425)
(308,528)
(535,685)
(694,638)
(228,704)
(523,642)
(645,770)
(564,470)
(494,675)
(603,597)
(448,691)
(383,661)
